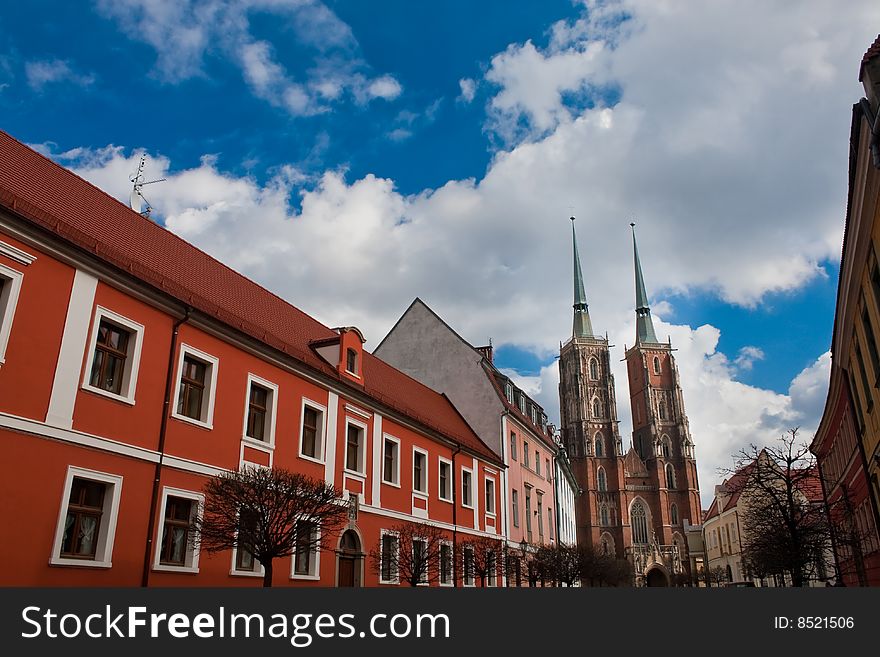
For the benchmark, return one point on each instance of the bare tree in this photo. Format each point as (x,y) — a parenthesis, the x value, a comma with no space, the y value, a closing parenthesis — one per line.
(785,530)
(561,564)
(482,556)
(716,575)
(267,514)
(409,553)
(848,536)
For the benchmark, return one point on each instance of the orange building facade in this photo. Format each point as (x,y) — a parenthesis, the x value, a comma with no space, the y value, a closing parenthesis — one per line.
(133,367)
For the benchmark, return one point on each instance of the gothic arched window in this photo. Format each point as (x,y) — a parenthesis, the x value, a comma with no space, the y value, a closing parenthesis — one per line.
(597,408)
(673,514)
(600,447)
(603,515)
(665,447)
(656,365)
(601,480)
(670,476)
(639,519)
(594,369)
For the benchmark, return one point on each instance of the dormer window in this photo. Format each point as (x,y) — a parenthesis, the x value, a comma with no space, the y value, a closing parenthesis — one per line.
(508,392)
(351,362)
(522,403)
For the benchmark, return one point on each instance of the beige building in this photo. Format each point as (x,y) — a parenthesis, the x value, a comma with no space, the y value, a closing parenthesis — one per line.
(722,530)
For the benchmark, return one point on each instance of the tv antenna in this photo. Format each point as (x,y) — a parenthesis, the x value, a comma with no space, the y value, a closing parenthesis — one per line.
(137,201)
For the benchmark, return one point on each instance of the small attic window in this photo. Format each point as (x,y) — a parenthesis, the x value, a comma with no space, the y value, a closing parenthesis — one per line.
(522,403)
(508,391)
(351,362)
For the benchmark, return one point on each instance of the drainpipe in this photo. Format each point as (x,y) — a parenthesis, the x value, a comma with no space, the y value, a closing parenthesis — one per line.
(455,519)
(154,499)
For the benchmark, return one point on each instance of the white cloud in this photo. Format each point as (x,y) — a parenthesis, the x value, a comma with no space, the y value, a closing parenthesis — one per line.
(468,88)
(51,71)
(747,357)
(185,32)
(731,158)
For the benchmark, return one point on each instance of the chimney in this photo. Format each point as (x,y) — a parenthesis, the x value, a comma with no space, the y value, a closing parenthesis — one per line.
(486,352)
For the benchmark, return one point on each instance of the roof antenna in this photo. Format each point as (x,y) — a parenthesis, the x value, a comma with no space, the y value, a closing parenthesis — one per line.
(136,200)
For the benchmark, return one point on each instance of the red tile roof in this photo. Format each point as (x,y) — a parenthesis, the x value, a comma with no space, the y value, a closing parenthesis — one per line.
(48,195)
(870,54)
(811,486)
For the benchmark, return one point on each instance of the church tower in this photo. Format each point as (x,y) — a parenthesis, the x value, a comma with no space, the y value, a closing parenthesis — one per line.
(661,435)
(590,434)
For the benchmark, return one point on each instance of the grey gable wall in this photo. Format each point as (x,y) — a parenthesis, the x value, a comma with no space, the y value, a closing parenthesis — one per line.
(425,348)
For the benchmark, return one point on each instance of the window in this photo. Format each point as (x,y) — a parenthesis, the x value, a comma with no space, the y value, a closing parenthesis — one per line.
(260,414)
(508,392)
(355,435)
(87,520)
(491,569)
(550,522)
(490,496)
(115,349)
(513,446)
(670,476)
(514,505)
(420,471)
(522,403)
(673,514)
(420,559)
(601,481)
(391,461)
(594,369)
(525,453)
(388,566)
(351,362)
(311,444)
(547,472)
(665,447)
(305,556)
(639,519)
(468,566)
(445,564)
(872,343)
(245,562)
(600,448)
(597,408)
(10,286)
(662,410)
(541,516)
(656,365)
(196,381)
(466,488)
(537,462)
(176,536)
(603,515)
(529,513)
(534,415)
(445,480)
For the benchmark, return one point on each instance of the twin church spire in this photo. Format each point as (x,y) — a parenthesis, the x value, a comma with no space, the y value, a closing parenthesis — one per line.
(582,327)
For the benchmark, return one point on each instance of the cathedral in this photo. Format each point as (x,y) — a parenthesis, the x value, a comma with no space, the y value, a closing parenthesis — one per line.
(636,504)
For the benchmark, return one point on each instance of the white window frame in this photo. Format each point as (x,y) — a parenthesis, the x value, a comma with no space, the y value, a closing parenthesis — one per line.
(451,581)
(272,414)
(492,573)
(8,301)
(132,356)
(109,517)
(445,496)
(192,558)
(320,439)
(213,363)
(425,579)
(421,492)
(508,392)
(538,462)
(386,438)
(525,458)
(514,439)
(357,361)
(395,578)
(514,506)
(315,575)
(464,502)
(362,450)
(486,481)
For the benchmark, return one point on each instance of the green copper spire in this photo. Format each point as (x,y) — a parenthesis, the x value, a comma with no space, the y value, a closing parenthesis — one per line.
(644,323)
(582,327)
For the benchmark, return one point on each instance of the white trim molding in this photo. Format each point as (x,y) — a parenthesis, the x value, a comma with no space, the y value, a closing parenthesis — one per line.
(314,573)
(321,435)
(450,480)
(14,253)
(73,345)
(207,419)
(361,471)
(106,529)
(388,438)
(135,331)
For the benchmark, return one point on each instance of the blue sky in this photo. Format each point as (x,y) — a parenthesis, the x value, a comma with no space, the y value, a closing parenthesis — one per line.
(449,142)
